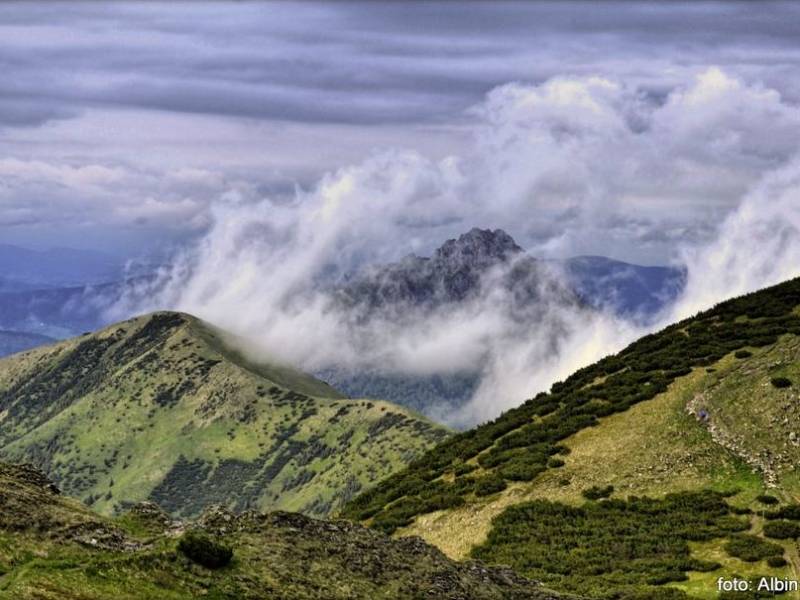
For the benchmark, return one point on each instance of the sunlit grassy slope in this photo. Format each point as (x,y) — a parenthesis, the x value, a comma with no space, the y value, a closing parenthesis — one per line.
(689,409)
(160,407)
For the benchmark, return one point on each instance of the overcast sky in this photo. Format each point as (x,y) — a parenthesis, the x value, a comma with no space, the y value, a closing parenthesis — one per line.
(123,124)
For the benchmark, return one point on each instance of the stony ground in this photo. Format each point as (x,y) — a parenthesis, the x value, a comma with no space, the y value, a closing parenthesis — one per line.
(54,547)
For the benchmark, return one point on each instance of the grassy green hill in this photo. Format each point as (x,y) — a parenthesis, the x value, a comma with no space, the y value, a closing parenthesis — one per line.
(649,474)
(161,408)
(52,547)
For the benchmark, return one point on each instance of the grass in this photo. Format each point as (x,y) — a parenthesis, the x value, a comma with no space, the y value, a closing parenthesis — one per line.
(274,556)
(704,585)
(114,443)
(653,448)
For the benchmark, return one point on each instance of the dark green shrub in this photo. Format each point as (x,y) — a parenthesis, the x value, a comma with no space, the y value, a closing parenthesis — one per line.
(596,492)
(781,382)
(750,548)
(203,550)
(667,577)
(741,510)
(555,463)
(767,499)
(521,470)
(790,511)
(776,561)
(743,354)
(491,484)
(606,549)
(463,469)
(781,530)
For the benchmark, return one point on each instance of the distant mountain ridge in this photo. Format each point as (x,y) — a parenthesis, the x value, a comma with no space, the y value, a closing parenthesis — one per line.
(456,270)
(59,312)
(626,289)
(23,268)
(454,273)
(12,342)
(460,271)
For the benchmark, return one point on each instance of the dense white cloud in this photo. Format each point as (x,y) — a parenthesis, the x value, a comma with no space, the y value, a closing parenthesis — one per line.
(756,246)
(570,158)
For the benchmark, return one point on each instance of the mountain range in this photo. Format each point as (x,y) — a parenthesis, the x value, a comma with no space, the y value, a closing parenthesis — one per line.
(457,270)
(12,342)
(471,269)
(650,474)
(463,270)
(23,269)
(69,296)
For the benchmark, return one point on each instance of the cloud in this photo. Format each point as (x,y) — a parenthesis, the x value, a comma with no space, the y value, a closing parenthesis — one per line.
(569,159)
(278,94)
(756,246)
(367,64)
(103,195)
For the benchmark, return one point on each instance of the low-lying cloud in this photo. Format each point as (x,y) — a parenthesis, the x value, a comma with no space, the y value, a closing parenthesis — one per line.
(557,165)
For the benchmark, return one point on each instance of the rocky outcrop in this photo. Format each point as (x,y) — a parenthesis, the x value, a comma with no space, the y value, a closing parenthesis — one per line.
(275,555)
(454,273)
(408,564)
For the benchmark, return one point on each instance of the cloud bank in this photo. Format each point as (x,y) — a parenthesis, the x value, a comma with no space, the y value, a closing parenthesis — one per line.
(556,164)
(266,96)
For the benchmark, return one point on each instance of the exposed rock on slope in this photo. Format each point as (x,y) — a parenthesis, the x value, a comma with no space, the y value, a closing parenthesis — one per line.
(53,547)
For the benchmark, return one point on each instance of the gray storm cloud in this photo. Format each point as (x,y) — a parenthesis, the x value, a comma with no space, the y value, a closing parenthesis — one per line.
(557,163)
(263,96)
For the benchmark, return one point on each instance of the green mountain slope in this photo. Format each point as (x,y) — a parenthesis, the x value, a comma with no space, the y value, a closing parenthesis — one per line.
(700,418)
(53,547)
(161,408)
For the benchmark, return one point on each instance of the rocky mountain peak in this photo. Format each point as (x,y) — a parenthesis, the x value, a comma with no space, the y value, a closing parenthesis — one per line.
(478,246)
(451,274)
